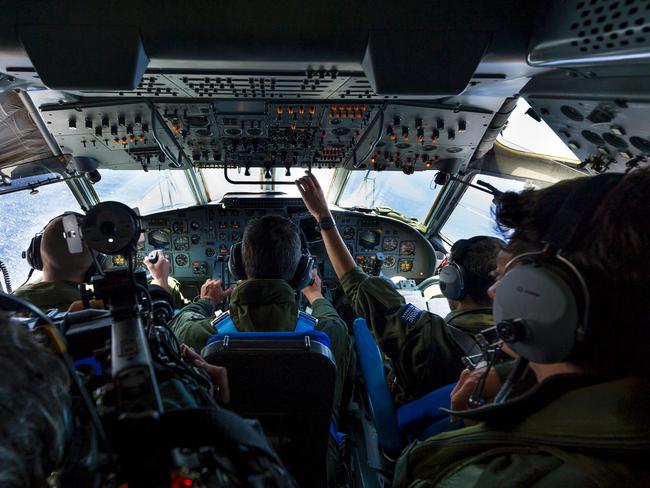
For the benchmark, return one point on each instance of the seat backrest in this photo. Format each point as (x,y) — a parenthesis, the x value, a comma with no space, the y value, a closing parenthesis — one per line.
(379,397)
(286,380)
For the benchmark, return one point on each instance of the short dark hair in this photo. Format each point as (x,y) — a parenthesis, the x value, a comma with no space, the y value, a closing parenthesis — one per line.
(33,394)
(478,257)
(611,252)
(271,248)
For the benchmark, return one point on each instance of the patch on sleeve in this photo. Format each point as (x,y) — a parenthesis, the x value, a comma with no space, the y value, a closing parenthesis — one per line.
(410,315)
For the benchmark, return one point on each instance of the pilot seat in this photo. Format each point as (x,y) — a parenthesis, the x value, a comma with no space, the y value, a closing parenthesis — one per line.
(286,380)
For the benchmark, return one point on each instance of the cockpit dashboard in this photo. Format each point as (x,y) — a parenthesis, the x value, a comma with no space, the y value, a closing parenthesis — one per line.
(197,240)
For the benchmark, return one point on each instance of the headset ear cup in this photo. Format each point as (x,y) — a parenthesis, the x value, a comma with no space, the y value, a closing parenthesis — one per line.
(34,257)
(540,300)
(236,262)
(302,277)
(452,282)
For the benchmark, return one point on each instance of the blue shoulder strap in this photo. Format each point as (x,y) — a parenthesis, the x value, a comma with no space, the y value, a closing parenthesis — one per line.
(223,324)
(305,323)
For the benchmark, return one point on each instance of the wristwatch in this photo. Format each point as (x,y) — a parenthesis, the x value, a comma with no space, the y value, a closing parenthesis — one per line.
(326,223)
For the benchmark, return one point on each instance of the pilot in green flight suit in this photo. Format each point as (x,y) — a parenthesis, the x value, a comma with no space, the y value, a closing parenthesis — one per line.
(586,422)
(266,302)
(62,271)
(270,247)
(424,353)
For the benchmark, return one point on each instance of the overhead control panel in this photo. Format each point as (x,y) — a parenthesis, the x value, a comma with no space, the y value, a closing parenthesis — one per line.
(283,135)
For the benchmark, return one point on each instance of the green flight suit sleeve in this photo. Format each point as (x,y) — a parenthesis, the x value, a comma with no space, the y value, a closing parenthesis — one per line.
(192,325)
(422,353)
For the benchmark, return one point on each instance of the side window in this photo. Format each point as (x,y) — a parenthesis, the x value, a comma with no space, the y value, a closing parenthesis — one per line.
(474,213)
(25,213)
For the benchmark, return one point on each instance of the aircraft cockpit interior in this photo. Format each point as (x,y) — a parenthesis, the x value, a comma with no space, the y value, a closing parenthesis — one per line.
(156,132)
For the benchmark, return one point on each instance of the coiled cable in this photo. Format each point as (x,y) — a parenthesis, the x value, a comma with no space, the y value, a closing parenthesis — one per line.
(5,276)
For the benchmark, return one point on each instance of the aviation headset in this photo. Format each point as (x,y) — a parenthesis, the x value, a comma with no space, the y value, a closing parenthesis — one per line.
(542,306)
(453,278)
(33,252)
(301,278)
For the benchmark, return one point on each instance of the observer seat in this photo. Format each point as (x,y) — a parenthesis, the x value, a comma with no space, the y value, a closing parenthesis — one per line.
(287,381)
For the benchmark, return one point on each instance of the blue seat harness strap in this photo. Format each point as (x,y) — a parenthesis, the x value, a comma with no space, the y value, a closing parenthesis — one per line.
(224,324)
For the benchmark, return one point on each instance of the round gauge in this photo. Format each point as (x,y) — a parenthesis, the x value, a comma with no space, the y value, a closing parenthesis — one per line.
(159,238)
(118,260)
(209,252)
(181,260)
(195,224)
(235,236)
(390,244)
(179,227)
(347,232)
(369,239)
(389,261)
(181,243)
(407,248)
(195,238)
(222,236)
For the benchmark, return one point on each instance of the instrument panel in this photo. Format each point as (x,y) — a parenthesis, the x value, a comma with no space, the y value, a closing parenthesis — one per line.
(197,240)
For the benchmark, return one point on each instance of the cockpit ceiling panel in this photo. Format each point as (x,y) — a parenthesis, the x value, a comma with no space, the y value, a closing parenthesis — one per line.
(323,84)
(573,33)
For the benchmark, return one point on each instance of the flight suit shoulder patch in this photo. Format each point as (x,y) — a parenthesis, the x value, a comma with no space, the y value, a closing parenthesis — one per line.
(410,315)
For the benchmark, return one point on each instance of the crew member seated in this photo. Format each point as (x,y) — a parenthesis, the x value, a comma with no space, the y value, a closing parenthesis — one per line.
(264,300)
(573,304)
(420,344)
(62,270)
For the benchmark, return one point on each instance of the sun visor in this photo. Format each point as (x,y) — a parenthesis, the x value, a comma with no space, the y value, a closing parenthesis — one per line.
(423,62)
(86,57)
(20,139)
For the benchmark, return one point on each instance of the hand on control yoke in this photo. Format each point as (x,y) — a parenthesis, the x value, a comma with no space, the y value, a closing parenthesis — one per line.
(218,375)
(313,291)
(213,290)
(313,196)
(159,269)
